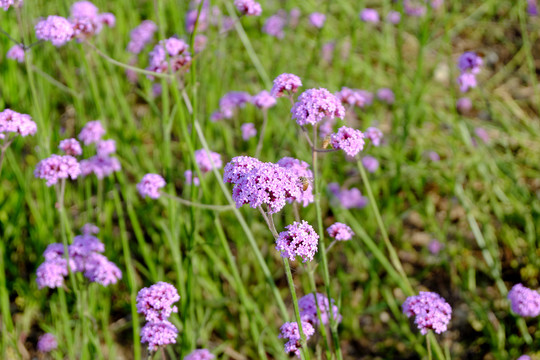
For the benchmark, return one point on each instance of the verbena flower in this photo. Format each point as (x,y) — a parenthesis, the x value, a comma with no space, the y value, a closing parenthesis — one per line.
(248,131)
(231,101)
(308,309)
(248,7)
(524,357)
(274,25)
(435,246)
(301,169)
(524,301)
(12,122)
(532,10)
(57,167)
(47,343)
(263,100)
(482,134)
(349,140)
(393,17)
(205,162)
(289,331)
(349,199)
(101,166)
(191,179)
(374,135)
(317,19)
(89,229)
(99,269)
(470,62)
(150,186)
(200,354)
(386,95)
(315,105)
(351,97)
(51,273)
(87,20)
(299,240)
(106,147)
(285,83)
(171,54)
(92,132)
(141,36)
(370,163)
(340,231)
(16,53)
(70,147)
(369,15)
(238,167)
(200,43)
(56,29)
(158,334)
(156,302)
(464,105)
(431,312)
(294,17)
(466,81)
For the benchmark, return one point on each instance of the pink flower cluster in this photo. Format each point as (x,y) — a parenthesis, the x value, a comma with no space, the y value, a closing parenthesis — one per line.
(205,162)
(6,4)
(248,131)
(102,164)
(469,64)
(369,15)
(355,97)
(274,25)
(248,7)
(524,301)
(374,135)
(150,185)
(315,105)
(47,343)
(171,55)
(57,167)
(200,354)
(340,231)
(308,309)
(141,36)
(301,169)
(263,100)
(317,19)
(348,198)
(285,83)
(349,140)
(431,311)
(12,122)
(289,331)
(16,53)
(229,103)
(299,240)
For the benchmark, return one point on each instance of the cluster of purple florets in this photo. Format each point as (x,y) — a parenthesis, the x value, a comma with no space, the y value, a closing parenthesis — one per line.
(47,343)
(350,140)
(298,240)
(524,301)
(141,36)
(348,198)
(57,167)
(289,331)
(205,162)
(308,309)
(14,123)
(85,256)
(170,55)
(229,103)
(340,231)
(431,312)
(469,65)
(315,105)
(355,97)
(156,304)
(150,186)
(285,84)
(200,354)
(248,7)
(301,169)
(102,164)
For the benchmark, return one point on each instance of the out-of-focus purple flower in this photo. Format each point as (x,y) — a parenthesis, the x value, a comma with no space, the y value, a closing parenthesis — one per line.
(352,97)
(470,62)
(301,169)
(386,95)
(274,26)
(47,343)
(232,101)
(414,9)
(466,81)
(314,105)
(56,29)
(263,100)
(156,302)
(285,83)
(431,312)
(524,357)
(294,17)
(227,24)
(308,309)
(87,21)
(289,331)
(248,7)
(150,185)
(84,10)
(370,163)
(191,179)
(340,231)
(464,105)
(334,188)
(57,167)
(200,354)
(299,240)
(16,53)
(374,135)
(202,21)
(5,4)
(393,17)
(105,147)
(89,229)
(92,132)
(435,246)
(107,19)
(99,269)
(70,147)
(482,134)
(524,301)
(204,162)
(349,140)
(349,199)
(51,273)
(141,36)
(101,166)
(317,19)
(433,156)
(326,128)
(158,334)
(369,15)
(327,51)
(179,57)
(532,10)
(199,43)
(248,131)
(16,123)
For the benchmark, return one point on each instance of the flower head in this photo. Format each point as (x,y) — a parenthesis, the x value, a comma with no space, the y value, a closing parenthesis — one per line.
(92,132)
(374,135)
(524,301)
(101,166)
(238,167)
(248,131)
(369,15)
(141,36)
(435,246)
(13,122)
(179,57)
(16,53)
(205,162)
(315,105)
(56,29)
(299,240)
(386,95)
(57,167)
(393,17)
(263,100)
(340,231)
(156,302)
(470,62)
(370,163)
(349,140)
(349,199)
(51,273)
(248,7)
(47,343)
(70,147)
(308,309)
(157,334)
(232,101)
(464,105)
(288,83)
(200,354)
(274,25)
(289,331)
(317,19)
(99,269)
(191,179)
(301,169)
(150,185)
(432,312)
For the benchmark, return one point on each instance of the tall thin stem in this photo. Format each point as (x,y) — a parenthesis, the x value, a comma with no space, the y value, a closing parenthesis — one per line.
(261,135)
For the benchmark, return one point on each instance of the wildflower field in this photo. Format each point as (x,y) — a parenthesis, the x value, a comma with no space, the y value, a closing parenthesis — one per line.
(233,179)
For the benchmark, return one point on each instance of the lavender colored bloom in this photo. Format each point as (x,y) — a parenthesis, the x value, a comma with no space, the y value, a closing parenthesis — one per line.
(532,10)
(101,166)
(464,105)
(470,62)
(340,231)
(89,229)
(482,134)
(317,19)
(524,301)
(289,331)
(99,269)
(107,19)
(327,51)
(16,53)
(179,56)
(370,163)
(413,9)
(84,10)
(53,251)
(301,169)
(435,246)
(374,135)
(47,343)
(352,97)
(248,7)
(386,95)
(205,163)
(314,105)
(466,81)
(87,21)
(201,19)
(56,29)
(274,25)
(105,147)
(92,132)
(299,240)
(366,96)
(157,334)
(150,185)
(200,354)
(294,17)
(5,4)
(351,199)
(239,166)
(51,273)
(263,100)
(16,123)
(433,156)
(83,247)
(432,312)
(199,43)
(369,15)
(524,357)
(70,147)
(141,36)
(285,83)
(57,167)
(190,179)
(393,17)
(156,302)
(248,131)
(232,101)
(349,140)
(308,309)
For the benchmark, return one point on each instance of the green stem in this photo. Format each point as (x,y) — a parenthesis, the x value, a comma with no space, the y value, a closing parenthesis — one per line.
(428,345)
(261,135)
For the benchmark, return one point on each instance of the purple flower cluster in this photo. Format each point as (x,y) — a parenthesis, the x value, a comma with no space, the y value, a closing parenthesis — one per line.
(191,179)
(12,122)
(229,103)
(5,4)
(205,162)
(289,331)
(349,199)
(248,7)
(200,354)
(349,140)
(285,83)
(370,163)
(56,29)
(524,301)
(315,105)
(274,25)
(263,100)
(393,17)
(102,164)
(87,21)
(301,169)
(141,36)
(355,97)
(340,231)
(317,19)
(299,240)
(386,95)
(156,304)
(369,15)
(374,135)
(257,183)
(70,147)
(431,312)
(47,343)
(57,167)
(248,131)
(150,185)
(171,54)
(16,53)
(92,132)
(308,309)
(469,64)
(532,7)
